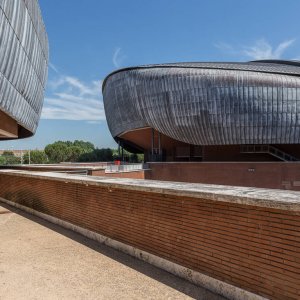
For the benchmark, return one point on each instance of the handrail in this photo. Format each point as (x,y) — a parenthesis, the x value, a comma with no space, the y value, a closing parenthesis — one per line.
(126,168)
(269,150)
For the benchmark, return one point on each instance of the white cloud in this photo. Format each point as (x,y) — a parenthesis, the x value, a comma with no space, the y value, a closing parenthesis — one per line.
(261,49)
(53,67)
(264,50)
(118,57)
(225,47)
(72,99)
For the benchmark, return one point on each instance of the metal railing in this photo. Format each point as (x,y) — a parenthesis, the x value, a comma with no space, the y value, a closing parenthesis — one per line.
(269,150)
(125,168)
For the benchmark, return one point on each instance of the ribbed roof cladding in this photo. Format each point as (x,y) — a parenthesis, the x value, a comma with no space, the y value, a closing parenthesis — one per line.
(208,103)
(23,62)
(287,67)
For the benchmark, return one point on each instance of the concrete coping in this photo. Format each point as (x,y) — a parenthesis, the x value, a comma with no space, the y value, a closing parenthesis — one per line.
(224,162)
(56,167)
(268,198)
(127,171)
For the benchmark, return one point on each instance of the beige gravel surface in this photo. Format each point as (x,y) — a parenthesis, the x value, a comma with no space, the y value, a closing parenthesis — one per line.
(39,260)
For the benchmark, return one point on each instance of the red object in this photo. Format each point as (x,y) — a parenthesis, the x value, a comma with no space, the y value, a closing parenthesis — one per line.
(117,162)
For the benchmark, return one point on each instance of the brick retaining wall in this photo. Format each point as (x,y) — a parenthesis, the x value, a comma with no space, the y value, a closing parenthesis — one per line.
(275,175)
(249,238)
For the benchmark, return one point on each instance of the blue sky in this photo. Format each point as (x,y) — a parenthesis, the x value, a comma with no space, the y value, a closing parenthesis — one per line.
(91,38)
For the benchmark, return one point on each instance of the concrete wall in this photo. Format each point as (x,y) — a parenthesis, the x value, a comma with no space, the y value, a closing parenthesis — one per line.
(245,237)
(275,175)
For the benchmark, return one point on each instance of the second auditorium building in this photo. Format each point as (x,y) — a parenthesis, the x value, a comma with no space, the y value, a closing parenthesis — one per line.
(207,111)
(24,57)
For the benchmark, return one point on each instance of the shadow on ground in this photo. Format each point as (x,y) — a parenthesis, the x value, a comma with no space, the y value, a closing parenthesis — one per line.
(155,273)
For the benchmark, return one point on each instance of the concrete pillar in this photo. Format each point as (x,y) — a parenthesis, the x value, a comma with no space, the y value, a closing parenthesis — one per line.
(159,145)
(152,141)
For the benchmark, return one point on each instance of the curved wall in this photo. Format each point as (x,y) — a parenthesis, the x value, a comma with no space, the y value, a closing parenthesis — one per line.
(23,62)
(208,103)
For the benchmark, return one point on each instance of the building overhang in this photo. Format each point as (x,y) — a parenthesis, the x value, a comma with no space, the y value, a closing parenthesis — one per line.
(8,127)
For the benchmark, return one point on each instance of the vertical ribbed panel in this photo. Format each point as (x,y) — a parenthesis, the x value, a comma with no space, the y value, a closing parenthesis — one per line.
(23,61)
(207,106)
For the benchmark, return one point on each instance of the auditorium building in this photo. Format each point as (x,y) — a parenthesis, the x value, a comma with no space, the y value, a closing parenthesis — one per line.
(23,67)
(247,111)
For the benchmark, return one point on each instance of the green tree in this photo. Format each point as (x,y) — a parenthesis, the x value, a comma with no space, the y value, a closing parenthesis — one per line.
(85,146)
(133,158)
(9,158)
(57,152)
(130,157)
(8,153)
(104,154)
(2,160)
(36,157)
(140,157)
(67,151)
(74,153)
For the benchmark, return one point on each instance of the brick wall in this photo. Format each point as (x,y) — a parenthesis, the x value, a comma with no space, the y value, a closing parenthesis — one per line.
(55,168)
(133,174)
(140,174)
(252,247)
(275,175)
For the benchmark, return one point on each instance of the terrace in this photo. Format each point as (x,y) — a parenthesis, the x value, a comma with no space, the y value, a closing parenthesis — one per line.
(41,260)
(240,243)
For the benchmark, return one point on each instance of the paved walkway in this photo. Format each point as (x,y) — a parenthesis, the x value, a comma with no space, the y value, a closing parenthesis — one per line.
(39,260)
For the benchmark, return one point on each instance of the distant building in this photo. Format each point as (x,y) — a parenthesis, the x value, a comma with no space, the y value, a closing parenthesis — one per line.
(23,67)
(207,111)
(18,153)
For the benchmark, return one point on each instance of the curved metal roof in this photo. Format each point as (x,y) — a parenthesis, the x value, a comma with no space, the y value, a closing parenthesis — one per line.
(274,66)
(208,103)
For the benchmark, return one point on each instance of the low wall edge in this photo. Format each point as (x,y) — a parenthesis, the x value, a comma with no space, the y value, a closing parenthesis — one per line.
(268,198)
(227,290)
